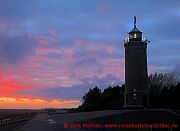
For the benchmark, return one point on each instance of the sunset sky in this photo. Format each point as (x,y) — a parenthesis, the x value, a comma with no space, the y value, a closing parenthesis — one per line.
(53,51)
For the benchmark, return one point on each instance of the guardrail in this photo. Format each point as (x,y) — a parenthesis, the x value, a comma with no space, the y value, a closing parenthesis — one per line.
(13,119)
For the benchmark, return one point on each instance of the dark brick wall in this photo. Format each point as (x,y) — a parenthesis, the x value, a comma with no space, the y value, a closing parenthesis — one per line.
(136,77)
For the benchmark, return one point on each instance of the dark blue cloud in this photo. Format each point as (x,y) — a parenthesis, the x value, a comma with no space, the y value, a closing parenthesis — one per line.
(106,21)
(15,48)
(75,92)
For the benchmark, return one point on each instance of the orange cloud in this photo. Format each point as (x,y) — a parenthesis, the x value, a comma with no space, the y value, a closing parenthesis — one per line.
(36,103)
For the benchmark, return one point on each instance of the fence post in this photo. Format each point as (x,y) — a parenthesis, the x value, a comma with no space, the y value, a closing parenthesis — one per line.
(12,118)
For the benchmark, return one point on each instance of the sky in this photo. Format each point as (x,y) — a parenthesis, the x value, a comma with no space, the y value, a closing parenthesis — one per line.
(53,51)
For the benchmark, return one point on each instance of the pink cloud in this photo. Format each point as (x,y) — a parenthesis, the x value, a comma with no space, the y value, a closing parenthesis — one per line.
(44,58)
(90,46)
(103,6)
(45,40)
(68,53)
(151,69)
(44,51)
(114,66)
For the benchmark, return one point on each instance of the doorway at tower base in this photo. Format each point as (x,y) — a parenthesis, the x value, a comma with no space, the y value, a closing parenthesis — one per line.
(139,101)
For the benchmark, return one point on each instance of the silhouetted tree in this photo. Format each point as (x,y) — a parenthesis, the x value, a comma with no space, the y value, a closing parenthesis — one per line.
(173,96)
(161,80)
(162,89)
(113,97)
(110,98)
(91,99)
(164,93)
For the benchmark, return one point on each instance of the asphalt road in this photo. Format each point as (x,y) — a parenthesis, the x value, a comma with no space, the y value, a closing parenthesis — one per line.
(45,122)
(55,122)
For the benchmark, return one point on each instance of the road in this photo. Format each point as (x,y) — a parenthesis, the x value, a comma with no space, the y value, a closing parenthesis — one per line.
(45,122)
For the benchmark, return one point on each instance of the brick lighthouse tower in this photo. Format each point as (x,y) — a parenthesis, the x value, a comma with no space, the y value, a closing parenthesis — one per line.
(136,76)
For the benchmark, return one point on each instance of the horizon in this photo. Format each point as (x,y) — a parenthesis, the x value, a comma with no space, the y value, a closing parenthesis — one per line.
(53,52)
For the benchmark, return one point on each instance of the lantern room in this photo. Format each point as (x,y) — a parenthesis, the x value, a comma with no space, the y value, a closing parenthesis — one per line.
(135,34)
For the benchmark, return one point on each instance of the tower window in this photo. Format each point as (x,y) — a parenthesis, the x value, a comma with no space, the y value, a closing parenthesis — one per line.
(135,35)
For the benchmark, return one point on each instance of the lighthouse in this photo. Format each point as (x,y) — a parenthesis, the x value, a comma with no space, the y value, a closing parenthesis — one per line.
(136,76)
